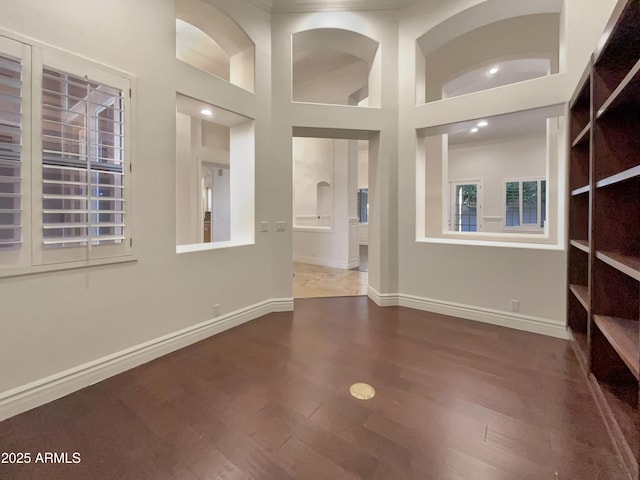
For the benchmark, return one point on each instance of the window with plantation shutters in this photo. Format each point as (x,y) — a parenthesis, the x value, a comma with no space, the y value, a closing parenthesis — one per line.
(64,160)
(10,152)
(83,201)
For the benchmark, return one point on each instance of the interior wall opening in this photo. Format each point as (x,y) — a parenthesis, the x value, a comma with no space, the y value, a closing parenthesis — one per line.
(210,41)
(464,55)
(214,174)
(331,212)
(491,179)
(335,66)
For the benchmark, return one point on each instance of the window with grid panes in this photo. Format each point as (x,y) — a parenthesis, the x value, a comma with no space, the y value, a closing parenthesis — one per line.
(64,166)
(10,152)
(82,162)
(525,204)
(464,207)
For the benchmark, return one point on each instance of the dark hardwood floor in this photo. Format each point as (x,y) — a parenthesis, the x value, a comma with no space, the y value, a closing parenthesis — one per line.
(455,400)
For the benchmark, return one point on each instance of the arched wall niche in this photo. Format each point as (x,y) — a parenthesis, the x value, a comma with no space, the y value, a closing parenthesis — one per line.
(335,66)
(208,39)
(483,37)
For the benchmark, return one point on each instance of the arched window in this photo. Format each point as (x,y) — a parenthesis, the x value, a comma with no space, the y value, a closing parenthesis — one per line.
(335,66)
(488,46)
(209,40)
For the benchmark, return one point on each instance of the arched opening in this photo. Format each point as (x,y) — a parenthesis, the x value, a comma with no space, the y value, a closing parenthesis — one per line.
(488,46)
(335,66)
(210,41)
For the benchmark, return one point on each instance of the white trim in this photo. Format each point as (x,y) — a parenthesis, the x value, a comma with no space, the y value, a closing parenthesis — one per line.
(354,264)
(202,247)
(26,397)
(516,321)
(325,262)
(491,242)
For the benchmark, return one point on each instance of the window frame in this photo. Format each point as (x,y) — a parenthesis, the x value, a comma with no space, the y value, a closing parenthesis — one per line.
(32,257)
(525,227)
(450,203)
(362,192)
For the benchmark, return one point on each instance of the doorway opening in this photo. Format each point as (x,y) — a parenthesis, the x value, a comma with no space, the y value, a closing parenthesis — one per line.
(331,212)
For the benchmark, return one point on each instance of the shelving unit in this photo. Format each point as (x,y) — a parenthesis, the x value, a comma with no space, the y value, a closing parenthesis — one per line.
(578,295)
(603,308)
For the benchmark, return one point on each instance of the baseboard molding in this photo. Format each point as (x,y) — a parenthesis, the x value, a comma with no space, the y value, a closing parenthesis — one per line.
(323,262)
(26,397)
(516,321)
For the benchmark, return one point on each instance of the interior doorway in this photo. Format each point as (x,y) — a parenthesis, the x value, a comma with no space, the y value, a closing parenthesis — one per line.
(331,211)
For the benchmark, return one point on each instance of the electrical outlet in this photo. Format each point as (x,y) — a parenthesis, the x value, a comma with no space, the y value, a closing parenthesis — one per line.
(281,225)
(216,310)
(515,305)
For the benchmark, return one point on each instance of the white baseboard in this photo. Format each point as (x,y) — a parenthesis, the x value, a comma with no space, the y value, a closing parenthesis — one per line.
(323,262)
(516,321)
(45,390)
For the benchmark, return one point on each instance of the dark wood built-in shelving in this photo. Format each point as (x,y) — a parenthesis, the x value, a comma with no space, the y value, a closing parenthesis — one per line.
(603,267)
(624,93)
(580,244)
(581,190)
(582,294)
(629,174)
(625,263)
(583,135)
(623,337)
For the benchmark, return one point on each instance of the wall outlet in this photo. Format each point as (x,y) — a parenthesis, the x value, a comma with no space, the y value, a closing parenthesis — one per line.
(264,226)
(515,305)
(216,310)
(281,225)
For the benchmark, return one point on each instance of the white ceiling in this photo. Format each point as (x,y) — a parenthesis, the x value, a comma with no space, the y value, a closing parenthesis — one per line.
(512,71)
(313,63)
(499,128)
(193,108)
(282,6)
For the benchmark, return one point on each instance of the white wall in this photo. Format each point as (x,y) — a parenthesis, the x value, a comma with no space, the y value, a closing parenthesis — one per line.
(537,37)
(118,307)
(493,163)
(333,87)
(221,205)
(363,182)
(59,321)
(472,280)
(379,123)
(186,175)
(334,161)
(313,168)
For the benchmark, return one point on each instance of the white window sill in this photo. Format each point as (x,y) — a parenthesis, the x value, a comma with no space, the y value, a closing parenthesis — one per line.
(56,267)
(203,247)
(312,229)
(504,240)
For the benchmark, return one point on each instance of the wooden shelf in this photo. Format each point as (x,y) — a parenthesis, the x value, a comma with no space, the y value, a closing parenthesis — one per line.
(580,191)
(624,93)
(619,406)
(603,319)
(580,345)
(580,245)
(619,177)
(582,136)
(623,335)
(626,264)
(582,294)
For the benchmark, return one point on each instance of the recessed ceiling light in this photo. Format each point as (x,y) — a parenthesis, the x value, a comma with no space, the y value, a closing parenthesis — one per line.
(474,130)
(483,123)
(493,71)
(206,111)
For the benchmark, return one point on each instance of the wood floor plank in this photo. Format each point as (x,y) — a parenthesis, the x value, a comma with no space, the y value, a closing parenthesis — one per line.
(455,400)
